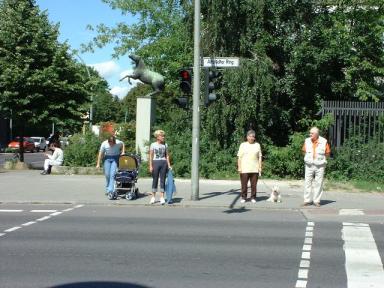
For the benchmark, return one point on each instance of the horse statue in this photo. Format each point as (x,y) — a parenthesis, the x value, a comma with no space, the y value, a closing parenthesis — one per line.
(145,75)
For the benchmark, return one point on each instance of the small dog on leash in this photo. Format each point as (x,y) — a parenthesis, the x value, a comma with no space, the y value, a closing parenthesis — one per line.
(275,195)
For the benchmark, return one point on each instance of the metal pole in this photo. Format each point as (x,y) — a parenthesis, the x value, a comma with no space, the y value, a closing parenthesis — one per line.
(196,106)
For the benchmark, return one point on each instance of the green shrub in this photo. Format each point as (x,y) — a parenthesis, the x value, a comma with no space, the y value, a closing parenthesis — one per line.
(82,150)
(358,160)
(285,161)
(10,150)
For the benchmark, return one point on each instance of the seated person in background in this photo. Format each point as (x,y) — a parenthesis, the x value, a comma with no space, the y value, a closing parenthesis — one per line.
(56,159)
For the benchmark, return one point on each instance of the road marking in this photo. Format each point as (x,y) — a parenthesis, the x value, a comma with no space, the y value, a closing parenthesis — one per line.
(307,247)
(10,210)
(305,263)
(43,211)
(43,218)
(308,241)
(303,273)
(55,213)
(362,260)
(301,284)
(351,212)
(68,209)
(28,223)
(12,229)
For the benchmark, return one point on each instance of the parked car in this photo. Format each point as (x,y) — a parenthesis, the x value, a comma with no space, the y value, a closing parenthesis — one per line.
(64,142)
(28,144)
(40,143)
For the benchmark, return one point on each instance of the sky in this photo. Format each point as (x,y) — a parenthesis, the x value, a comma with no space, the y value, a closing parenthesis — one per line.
(73,17)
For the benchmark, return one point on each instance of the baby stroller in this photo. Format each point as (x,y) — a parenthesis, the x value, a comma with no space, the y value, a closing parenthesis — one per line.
(126,178)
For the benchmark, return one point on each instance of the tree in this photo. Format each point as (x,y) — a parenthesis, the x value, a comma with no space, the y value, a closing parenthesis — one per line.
(39,80)
(294,54)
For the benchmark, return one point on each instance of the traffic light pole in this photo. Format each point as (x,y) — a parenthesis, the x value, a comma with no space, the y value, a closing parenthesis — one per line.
(196,105)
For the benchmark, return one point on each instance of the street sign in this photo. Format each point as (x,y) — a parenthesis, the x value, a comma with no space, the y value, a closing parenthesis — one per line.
(221,62)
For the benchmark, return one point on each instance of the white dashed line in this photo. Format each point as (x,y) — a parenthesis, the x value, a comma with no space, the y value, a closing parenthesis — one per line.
(68,209)
(43,211)
(305,263)
(303,273)
(308,241)
(53,213)
(307,247)
(43,218)
(12,229)
(56,213)
(10,210)
(28,223)
(301,284)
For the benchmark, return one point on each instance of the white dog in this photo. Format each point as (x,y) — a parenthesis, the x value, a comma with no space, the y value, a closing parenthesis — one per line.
(275,195)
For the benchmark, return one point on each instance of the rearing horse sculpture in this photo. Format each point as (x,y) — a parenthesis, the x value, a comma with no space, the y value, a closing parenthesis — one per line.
(145,75)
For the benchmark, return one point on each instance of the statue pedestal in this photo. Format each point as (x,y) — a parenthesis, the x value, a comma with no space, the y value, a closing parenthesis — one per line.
(145,117)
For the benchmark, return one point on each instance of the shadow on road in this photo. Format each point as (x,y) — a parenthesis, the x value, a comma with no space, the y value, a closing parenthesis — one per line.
(100,284)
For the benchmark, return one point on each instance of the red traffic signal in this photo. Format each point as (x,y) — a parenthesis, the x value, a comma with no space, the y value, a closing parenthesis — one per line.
(185,75)
(185,81)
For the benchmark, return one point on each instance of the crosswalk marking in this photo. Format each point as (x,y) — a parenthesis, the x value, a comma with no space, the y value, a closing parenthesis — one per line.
(351,212)
(362,260)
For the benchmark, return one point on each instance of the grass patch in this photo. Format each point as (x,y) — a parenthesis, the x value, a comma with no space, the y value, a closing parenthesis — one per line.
(354,186)
(369,186)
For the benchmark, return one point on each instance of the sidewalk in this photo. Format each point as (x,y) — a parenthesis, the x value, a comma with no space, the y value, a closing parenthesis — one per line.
(28,186)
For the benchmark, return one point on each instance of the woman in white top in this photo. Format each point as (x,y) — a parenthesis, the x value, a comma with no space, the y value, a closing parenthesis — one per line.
(249,165)
(56,159)
(158,164)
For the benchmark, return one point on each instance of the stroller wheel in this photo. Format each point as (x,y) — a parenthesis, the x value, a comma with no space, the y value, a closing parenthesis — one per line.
(111,196)
(130,195)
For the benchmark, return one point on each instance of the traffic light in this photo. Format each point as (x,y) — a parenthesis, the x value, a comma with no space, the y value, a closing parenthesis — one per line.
(185,81)
(211,83)
(182,102)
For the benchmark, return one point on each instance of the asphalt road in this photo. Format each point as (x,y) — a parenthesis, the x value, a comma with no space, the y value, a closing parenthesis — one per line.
(119,246)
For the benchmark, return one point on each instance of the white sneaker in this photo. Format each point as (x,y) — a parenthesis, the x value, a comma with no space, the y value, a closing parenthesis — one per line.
(162,201)
(242,201)
(152,200)
(253,200)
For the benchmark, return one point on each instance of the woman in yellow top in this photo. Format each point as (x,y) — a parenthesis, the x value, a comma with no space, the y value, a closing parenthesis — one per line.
(249,165)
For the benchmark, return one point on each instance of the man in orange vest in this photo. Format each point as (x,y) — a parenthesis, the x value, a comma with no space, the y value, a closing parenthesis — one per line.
(316,150)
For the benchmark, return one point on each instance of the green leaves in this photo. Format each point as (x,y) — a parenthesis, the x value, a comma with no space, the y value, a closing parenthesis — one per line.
(39,80)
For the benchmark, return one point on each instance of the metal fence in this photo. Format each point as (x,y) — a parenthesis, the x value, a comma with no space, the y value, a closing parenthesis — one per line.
(363,119)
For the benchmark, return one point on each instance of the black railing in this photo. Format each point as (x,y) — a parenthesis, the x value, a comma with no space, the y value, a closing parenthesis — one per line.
(363,119)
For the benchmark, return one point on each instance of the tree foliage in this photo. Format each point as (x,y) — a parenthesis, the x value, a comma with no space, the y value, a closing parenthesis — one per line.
(294,54)
(39,80)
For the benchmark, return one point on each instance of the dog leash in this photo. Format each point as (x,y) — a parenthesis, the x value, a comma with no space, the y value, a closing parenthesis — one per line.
(266,184)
